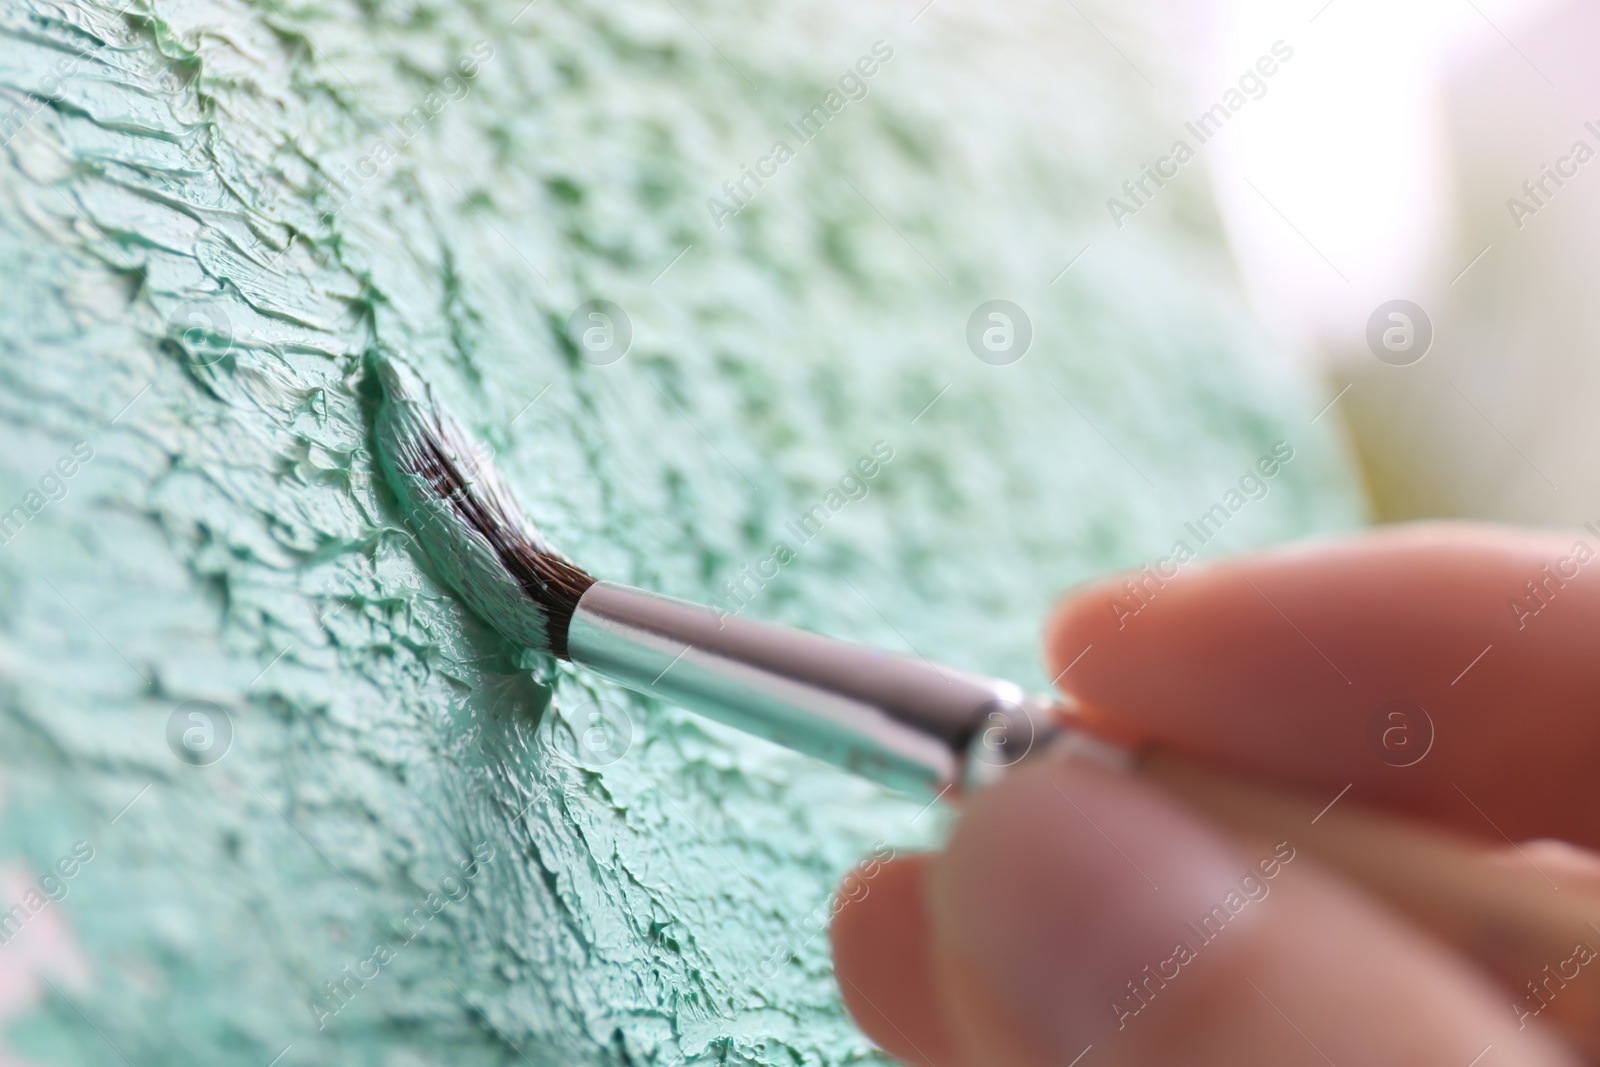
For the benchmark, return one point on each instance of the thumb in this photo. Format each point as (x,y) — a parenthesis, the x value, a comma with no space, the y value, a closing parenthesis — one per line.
(1080,909)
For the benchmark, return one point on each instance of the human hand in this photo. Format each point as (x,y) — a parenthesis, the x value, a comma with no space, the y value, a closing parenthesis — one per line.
(1049,928)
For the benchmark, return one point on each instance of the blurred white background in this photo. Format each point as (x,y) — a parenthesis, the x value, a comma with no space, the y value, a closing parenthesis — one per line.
(1379,166)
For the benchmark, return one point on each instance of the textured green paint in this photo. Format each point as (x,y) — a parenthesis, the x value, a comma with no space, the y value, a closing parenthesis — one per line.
(229,541)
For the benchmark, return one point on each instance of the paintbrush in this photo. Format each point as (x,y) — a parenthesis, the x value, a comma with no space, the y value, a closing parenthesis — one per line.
(915,725)
(906,722)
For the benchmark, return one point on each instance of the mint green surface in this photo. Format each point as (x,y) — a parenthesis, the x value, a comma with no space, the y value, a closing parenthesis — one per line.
(187,295)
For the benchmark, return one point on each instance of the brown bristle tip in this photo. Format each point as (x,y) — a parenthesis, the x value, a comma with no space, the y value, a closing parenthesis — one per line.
(548,579)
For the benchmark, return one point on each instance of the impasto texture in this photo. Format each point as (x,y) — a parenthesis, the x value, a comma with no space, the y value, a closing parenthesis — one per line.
(268,791)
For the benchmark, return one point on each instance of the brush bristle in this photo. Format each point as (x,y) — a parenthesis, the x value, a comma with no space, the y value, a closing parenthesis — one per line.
(469,521)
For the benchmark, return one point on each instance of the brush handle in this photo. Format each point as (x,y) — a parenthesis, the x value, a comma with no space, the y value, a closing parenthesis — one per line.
(1511,920)
(901,720)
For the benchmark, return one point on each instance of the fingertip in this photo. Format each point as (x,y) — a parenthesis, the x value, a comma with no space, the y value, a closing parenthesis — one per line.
(881,958)
(1289,663)
(1068,631)
(1060,884)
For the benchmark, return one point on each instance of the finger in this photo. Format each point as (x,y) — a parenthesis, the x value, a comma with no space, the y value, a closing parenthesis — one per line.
(1447,669)
(1077,909)
(880,958)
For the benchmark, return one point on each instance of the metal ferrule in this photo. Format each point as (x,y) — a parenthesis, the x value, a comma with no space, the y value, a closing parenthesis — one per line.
(903,721)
